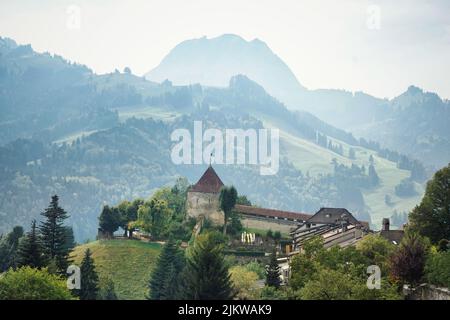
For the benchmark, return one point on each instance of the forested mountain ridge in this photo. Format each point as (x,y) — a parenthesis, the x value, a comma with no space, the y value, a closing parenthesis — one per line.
(100,139)
(212,62)
(45,97)
(133,159)
(417,124)
(413,123)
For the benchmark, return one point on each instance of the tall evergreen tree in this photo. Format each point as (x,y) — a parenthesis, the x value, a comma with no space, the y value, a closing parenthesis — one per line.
(30,249)
(374,180)
(107,290)
(54,235)
(206,275)
(273,272)
(8,249)
(171,286)
(70,239)
(227,199)
(89,278)
(163,281)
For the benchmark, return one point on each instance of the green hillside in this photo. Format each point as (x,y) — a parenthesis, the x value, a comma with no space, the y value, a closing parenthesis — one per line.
(157,113)
(308,156)
(100,139)
(315,159)
(127,262)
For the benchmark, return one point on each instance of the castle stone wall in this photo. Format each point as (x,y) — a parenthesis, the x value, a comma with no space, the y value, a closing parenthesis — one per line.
(426,292)
(206,204)
(267,223)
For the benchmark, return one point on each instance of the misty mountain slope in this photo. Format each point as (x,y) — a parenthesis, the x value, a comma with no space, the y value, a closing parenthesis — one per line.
(45,97)
(212,62)
(300,147)
(418,124)
(414,123)
(299,144)
(309,157)
(414,127)
(133,160)
(96,141)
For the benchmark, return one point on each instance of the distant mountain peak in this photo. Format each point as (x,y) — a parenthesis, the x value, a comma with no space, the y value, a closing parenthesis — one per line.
(414,90)
(229,36)
(7,44)
(213,61)
(241,82)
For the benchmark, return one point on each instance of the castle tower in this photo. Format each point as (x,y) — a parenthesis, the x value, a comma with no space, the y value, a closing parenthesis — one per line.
(203,198)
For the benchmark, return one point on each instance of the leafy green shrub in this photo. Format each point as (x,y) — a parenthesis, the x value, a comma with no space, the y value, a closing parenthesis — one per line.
(257,268)
(246,253)
(27,283)
(272,293)
(437,269)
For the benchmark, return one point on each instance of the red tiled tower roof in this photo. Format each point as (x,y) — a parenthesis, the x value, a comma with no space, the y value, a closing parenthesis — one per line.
(208,183)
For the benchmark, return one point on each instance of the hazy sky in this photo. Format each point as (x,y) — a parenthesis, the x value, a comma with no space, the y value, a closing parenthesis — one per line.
(379,47)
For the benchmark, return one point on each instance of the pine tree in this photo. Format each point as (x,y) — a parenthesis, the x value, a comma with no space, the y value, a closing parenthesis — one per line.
(206,276)
(273,272)
(89,278)
(70,239)
(107,290)
(163,281)
(8,249)
(352,153)
(374,180)
(227,199)
(54,235)
(30,249)
(170,286)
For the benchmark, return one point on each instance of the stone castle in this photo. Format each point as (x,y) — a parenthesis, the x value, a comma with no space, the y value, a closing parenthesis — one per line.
(203,198)
(203,202)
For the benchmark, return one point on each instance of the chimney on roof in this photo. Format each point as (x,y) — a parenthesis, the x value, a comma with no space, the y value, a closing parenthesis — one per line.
(385,224)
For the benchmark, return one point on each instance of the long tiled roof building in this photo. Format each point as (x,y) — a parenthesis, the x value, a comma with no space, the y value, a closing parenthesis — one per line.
(336,225)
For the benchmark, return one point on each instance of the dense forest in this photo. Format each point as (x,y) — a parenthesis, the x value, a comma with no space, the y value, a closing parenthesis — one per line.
(63,131)
(133,159)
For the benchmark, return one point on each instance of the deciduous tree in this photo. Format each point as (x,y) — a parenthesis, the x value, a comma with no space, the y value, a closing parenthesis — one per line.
(408,261)
(432,217)
(27,283)
(109,220)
